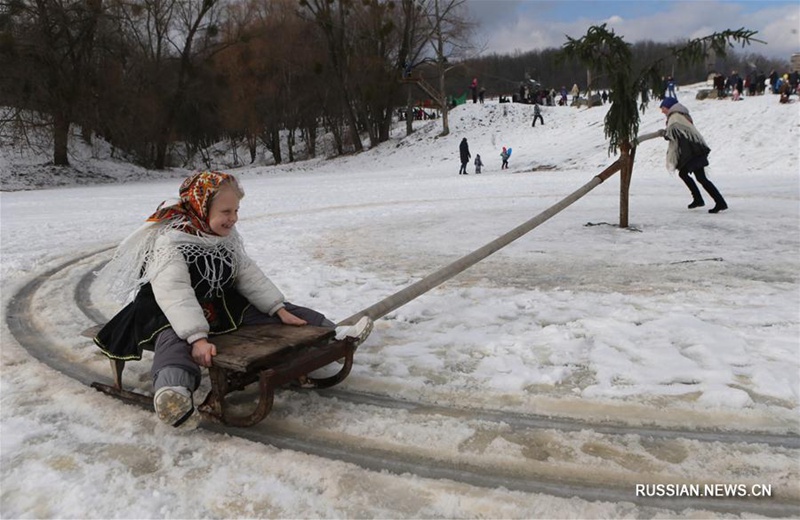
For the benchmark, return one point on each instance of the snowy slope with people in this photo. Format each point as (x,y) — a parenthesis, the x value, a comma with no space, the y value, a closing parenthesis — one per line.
(685,319)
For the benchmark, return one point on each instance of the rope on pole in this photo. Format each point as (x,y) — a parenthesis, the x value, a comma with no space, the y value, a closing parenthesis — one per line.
(402,297)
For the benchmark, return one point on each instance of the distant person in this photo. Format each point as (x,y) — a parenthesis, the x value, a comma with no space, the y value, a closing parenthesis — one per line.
(671,87)
(504,155)
(463,150)
(719,85)
(645,93)
(537,114)
(761,83)
(604,96)
(481,94)
(478,163)
(688,153)
(576,91)
(773,81)
(750,84)
(785,90)
(474,88)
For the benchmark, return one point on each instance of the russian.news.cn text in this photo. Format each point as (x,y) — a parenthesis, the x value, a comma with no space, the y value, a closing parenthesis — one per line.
(704,490)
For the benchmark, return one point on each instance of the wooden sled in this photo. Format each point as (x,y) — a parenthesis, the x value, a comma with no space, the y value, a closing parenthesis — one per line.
(272,355)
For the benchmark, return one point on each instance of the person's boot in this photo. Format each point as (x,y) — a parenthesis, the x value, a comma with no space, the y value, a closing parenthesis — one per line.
(719,201)
(175,407)
(697,203)
(719,206)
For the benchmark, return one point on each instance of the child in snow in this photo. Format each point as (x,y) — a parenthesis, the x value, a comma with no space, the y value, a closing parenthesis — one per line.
(478,163)
(192,278)
(537,114)
(688,153)
(504,157)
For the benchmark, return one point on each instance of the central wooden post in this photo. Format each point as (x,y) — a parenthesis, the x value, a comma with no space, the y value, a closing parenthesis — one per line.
(626,172)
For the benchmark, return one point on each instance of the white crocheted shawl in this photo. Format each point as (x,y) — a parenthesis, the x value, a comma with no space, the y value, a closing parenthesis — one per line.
(680,126)
(146,251)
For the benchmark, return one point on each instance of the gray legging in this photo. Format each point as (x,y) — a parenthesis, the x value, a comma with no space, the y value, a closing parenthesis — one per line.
(173,364)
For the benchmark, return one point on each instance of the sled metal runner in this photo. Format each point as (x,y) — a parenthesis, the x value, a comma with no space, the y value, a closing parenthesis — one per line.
(271,355)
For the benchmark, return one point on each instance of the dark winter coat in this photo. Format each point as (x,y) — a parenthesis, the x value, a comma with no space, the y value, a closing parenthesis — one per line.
(464,151)
(687,149)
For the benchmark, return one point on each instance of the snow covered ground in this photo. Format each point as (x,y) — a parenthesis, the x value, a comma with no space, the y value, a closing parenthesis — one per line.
(685,319)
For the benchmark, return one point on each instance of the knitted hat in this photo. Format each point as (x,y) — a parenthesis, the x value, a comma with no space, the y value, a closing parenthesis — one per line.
(668,102)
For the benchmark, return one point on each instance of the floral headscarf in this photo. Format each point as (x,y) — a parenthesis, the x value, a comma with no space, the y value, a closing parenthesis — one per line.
(139,258)
(190,215)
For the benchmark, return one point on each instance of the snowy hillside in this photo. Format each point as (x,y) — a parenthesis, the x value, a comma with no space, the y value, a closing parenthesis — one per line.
(687,321)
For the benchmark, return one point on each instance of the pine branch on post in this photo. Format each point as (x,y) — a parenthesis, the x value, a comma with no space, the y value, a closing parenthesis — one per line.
(606,53)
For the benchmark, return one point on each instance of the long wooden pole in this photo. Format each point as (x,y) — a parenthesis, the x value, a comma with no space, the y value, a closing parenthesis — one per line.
(402,297)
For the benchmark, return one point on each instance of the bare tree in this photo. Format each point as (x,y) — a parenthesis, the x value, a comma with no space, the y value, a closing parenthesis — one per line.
(377,27)
(192,19)
(48,53)
(450,33)
(332,17)
(169,41)
(414,39)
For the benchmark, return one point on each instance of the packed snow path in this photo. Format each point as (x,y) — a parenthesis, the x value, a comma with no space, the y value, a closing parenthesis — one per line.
(566,458)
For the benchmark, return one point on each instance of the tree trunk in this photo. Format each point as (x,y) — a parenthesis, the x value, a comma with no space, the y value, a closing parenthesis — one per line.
(311,141)
(588,88)
(445,107)
(275,139)
(290,144)
(161,153)
(60,139)
(626,172)
(386,124)
(251,145)
(86,135)
(409,113)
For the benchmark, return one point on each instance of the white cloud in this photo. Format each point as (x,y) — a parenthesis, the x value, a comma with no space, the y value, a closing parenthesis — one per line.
(530,31)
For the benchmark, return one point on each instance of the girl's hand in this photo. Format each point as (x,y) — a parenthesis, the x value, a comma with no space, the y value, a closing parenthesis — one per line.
(203,351)
(287,318)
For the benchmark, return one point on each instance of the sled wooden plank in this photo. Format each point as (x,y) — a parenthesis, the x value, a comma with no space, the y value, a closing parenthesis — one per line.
(258,346)
(251,348)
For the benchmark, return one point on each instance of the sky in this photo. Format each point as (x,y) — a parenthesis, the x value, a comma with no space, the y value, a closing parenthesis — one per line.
(684,322)
(524,25)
